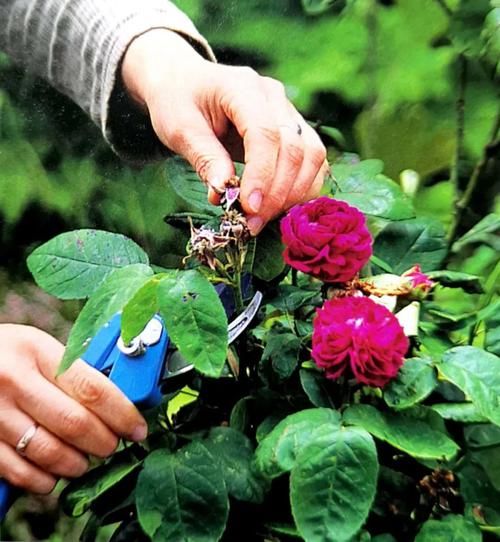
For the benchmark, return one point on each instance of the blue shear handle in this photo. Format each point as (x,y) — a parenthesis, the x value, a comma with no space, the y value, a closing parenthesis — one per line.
(139,378)
(6,497)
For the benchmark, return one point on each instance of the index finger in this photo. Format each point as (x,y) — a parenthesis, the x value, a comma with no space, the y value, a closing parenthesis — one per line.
(99,395)
(253,119)
(91,389)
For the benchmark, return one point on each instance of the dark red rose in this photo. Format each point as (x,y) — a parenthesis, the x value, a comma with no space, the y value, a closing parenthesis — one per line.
(327,239)
(357,333)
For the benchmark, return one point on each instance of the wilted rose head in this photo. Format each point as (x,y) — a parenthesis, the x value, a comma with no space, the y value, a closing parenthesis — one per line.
(358,334)
(327,239)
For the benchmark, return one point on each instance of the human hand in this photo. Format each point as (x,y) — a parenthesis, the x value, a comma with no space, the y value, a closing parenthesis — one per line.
(211,114)
(79,413)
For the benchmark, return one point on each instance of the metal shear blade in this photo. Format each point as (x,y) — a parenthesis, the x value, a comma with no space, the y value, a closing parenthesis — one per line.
(177,365)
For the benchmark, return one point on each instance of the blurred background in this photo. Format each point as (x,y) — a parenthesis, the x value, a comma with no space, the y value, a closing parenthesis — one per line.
(376,77)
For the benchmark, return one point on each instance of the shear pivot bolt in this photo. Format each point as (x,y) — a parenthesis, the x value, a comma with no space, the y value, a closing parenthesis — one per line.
(134,348)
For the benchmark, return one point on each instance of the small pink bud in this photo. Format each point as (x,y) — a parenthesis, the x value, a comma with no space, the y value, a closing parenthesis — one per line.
(418,279)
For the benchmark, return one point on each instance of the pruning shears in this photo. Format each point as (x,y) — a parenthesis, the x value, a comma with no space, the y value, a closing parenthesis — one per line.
(143,368)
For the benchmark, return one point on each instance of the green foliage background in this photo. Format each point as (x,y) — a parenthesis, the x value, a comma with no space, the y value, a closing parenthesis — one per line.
(383,73)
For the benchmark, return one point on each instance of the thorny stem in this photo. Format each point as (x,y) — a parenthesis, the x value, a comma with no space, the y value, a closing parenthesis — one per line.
(345,391)
(460,112)
(295,314)
(371,22)
(238,294)
(462,203)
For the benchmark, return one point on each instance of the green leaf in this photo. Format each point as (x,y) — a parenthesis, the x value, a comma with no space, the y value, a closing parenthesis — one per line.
(445,320)
(109,298)
(188,186)
(89,533)
(281,353)
(333,133)
(484,444)
(241,414)
(466,24)
(315,387)
(452,528)
(79,495)
(489,459)
(277,452)
(363,186)
(401,430)
(479,494)
(477,374)
(289,298)
(267,425)
(195,319)
(491,38)
(333,484)
(454,279)
(234,453)
(181,220)
(287,530)
(406,243)
(492,325)
(72,265)
(182,496)
(415,381)
(482,435)
(140,309)
(488,319)
(268,261)
(380,263)
(459,412)
(485,231)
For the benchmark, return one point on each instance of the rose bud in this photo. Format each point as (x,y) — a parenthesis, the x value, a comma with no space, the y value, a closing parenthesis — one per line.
(327,239)
(360,336)
(418,280)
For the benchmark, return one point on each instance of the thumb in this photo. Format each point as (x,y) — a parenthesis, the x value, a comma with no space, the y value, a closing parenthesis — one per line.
(198,144)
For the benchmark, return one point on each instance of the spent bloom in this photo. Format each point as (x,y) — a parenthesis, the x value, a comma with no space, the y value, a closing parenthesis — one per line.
(327,239)
(357,334)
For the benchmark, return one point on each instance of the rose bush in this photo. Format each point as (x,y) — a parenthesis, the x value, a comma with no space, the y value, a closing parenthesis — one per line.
(355,407)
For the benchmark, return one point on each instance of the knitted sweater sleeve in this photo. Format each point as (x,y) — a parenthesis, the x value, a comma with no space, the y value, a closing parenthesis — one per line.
(78,45)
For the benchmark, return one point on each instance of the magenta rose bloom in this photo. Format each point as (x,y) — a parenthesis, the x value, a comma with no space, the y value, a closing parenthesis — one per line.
(327,239)
(357,333)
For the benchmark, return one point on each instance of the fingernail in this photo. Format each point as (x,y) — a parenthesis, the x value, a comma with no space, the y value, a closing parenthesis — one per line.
(213,197)
(255,200)
(255,224)
(84,467)
(216,184)
(140,433)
